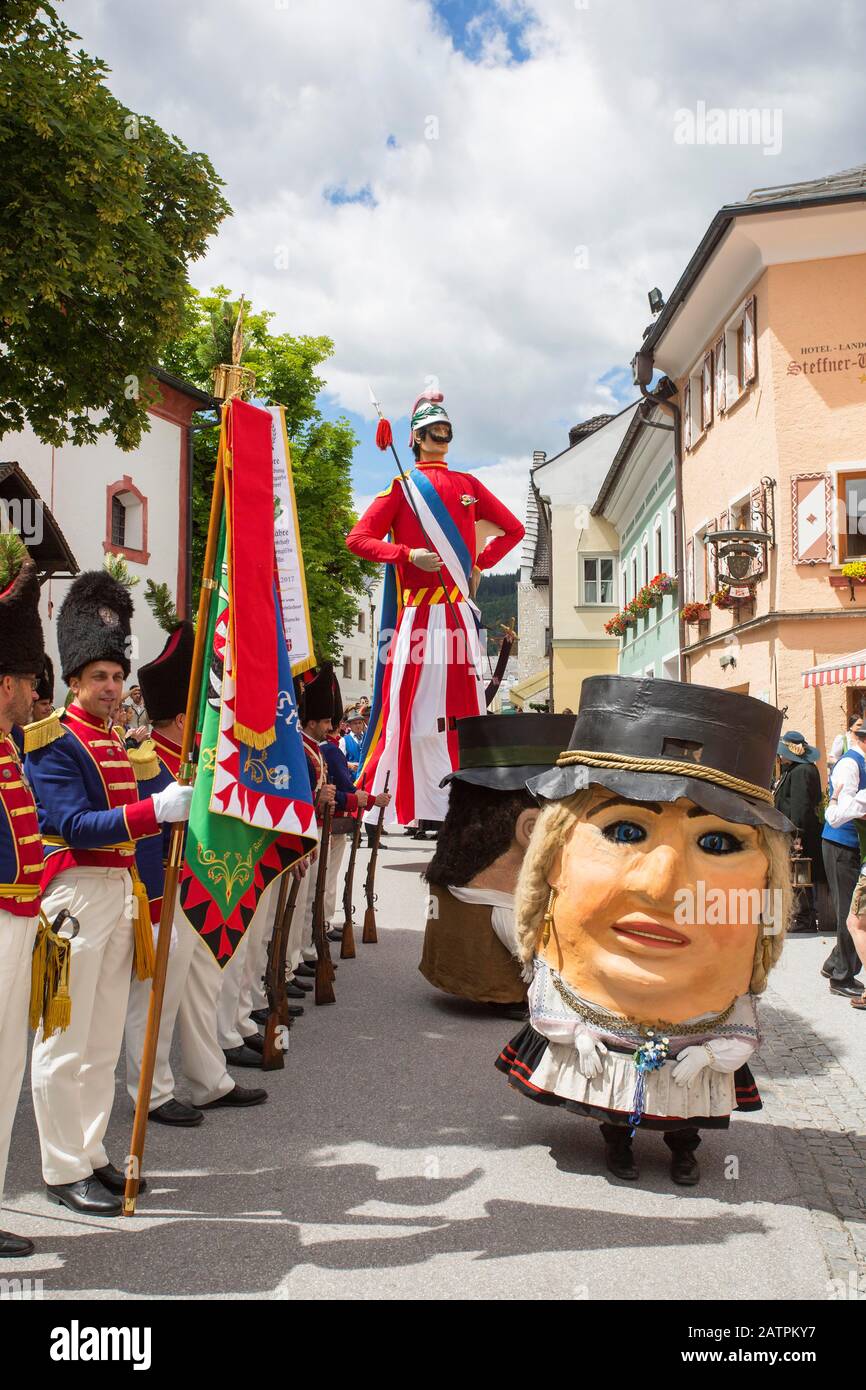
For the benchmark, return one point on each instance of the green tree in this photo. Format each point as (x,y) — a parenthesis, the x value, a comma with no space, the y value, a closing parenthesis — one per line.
(101,213)
(321,450)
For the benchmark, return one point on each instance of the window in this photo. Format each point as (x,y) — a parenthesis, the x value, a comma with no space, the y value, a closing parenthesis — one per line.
(645,560)
(851,491)
(118,521)
(547,641)
(672,538)
(634,576)
(741,363)
(362,668)
(623,579)
(598,582)
(657,546)
(362,621)
(699,593)
(347,668)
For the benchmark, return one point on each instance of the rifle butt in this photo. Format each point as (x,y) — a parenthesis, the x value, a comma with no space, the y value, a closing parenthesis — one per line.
(324,993)
(369,935)
(273,1055)
(347,945)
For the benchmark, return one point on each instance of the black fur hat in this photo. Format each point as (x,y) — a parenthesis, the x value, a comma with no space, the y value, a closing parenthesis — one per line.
(94,623)
(22,648)
(165,680)
(45,685)
(318,694)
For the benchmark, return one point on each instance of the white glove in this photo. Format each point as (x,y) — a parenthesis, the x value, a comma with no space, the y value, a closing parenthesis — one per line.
(424,559)
(172,803)
(690,1063)
(590,1052)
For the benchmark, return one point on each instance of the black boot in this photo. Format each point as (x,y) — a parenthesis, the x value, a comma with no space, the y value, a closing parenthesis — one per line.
(684,1166)
(617,1152)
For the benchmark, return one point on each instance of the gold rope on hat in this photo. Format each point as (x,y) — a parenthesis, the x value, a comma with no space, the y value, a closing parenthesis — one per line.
(627,762)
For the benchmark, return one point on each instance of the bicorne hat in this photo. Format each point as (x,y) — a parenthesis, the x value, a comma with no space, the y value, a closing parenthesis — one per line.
(94,623)
(657,740)
(502,751)
(22,649)
(164,681)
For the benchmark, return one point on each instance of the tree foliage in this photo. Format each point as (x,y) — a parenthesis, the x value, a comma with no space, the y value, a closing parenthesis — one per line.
(321,450)
(497,599)
(101,213)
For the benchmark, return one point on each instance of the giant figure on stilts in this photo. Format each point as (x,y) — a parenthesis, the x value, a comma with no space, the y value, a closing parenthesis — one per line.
(424,527)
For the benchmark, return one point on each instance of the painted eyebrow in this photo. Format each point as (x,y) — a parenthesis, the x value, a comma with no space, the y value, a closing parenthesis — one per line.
(622,801)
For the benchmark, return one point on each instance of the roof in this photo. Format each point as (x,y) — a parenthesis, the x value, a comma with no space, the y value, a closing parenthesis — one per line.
(847,186)
(51,553)
(186,388)
(578,432)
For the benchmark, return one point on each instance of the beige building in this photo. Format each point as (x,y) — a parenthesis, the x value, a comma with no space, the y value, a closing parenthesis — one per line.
(764,337)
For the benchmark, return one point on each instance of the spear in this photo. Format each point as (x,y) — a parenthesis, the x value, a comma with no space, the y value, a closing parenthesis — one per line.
(389,444)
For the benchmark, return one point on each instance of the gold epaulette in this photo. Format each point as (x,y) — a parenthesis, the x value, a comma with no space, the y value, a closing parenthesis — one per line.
(388,488)
(145,762)
(43,731)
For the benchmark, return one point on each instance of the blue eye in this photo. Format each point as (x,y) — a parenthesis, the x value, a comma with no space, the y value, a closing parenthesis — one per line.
(624,832)
(718,842)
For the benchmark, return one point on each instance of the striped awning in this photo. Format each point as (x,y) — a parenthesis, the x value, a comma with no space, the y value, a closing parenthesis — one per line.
(841,671)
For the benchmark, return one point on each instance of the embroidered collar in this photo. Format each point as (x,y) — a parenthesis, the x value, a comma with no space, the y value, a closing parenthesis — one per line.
(92,721)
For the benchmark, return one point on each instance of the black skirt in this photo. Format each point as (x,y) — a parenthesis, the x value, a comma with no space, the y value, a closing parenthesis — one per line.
(520,1059)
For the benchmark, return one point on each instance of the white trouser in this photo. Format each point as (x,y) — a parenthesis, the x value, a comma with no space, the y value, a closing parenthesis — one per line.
(189,973)
(73,1072)
(252,995)
(232,1028)
(17,935)
(332,881)
(300,928)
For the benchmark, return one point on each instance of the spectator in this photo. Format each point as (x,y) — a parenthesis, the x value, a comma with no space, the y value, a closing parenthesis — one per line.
(138,714)
(797,795)
(842,860)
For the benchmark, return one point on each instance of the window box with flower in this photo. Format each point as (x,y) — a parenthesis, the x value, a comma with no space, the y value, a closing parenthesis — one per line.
(851,574)
(695,613)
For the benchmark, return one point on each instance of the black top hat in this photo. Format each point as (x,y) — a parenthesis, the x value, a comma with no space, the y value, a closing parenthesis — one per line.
(655,740)
(22,649)
(45,684)
(94,623)
(502,751)
(318,694)
(164,681)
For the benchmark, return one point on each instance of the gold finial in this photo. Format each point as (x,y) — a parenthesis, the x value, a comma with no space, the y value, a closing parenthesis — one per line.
(232,379)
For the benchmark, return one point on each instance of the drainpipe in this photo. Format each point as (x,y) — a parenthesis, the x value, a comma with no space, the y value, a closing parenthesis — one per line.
(643,370)
(546,517)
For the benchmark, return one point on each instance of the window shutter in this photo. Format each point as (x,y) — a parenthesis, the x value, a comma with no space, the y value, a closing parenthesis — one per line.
(712,567)
(812,511)
(707,391)
(687,416)
(721,369)
(690,571)
(750,359)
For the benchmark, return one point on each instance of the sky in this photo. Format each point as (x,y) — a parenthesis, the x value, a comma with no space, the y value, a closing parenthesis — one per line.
(477,195)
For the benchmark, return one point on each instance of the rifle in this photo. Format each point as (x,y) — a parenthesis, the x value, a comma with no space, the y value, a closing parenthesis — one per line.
(370,935)
(273,1054)
(347,945)
(324,966)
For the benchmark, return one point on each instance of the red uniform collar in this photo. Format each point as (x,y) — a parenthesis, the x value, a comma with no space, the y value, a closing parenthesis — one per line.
(91,720)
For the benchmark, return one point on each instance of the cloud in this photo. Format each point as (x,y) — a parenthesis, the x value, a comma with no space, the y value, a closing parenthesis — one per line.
(403,184)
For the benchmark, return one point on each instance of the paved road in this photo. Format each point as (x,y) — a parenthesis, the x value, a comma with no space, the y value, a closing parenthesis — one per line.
(393,1161)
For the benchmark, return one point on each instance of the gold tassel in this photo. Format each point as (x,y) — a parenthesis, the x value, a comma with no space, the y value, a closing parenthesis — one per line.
(58,1009)
(548,917)
(37,973)
(252,739)
(145,961)
(42,732)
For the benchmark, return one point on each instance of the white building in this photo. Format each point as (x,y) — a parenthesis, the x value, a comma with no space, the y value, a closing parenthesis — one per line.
(356,663)
(135,504)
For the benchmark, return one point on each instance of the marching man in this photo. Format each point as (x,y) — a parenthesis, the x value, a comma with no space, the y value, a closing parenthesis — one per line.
(433,667)
(91,816)
(21,662)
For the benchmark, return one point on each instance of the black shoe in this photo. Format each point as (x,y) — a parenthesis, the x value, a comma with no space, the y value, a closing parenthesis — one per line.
(260,1016)
(305,971)
(240,1057)
(88,1196)
(240,1096)
(174,1112)
(684,1169)
(115,1181)
(335,934)
(295,992)
(255,1042)
(620,1161)
(15,1247)
(852,989)
(303,985)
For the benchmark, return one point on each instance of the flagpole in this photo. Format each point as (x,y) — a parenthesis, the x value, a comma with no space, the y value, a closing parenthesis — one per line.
(176,846)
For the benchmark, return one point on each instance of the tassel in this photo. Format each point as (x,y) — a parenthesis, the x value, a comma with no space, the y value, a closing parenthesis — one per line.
(58,1009)
(145,960)
(37,974)
(548,917)
(253,739)
(384,437)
